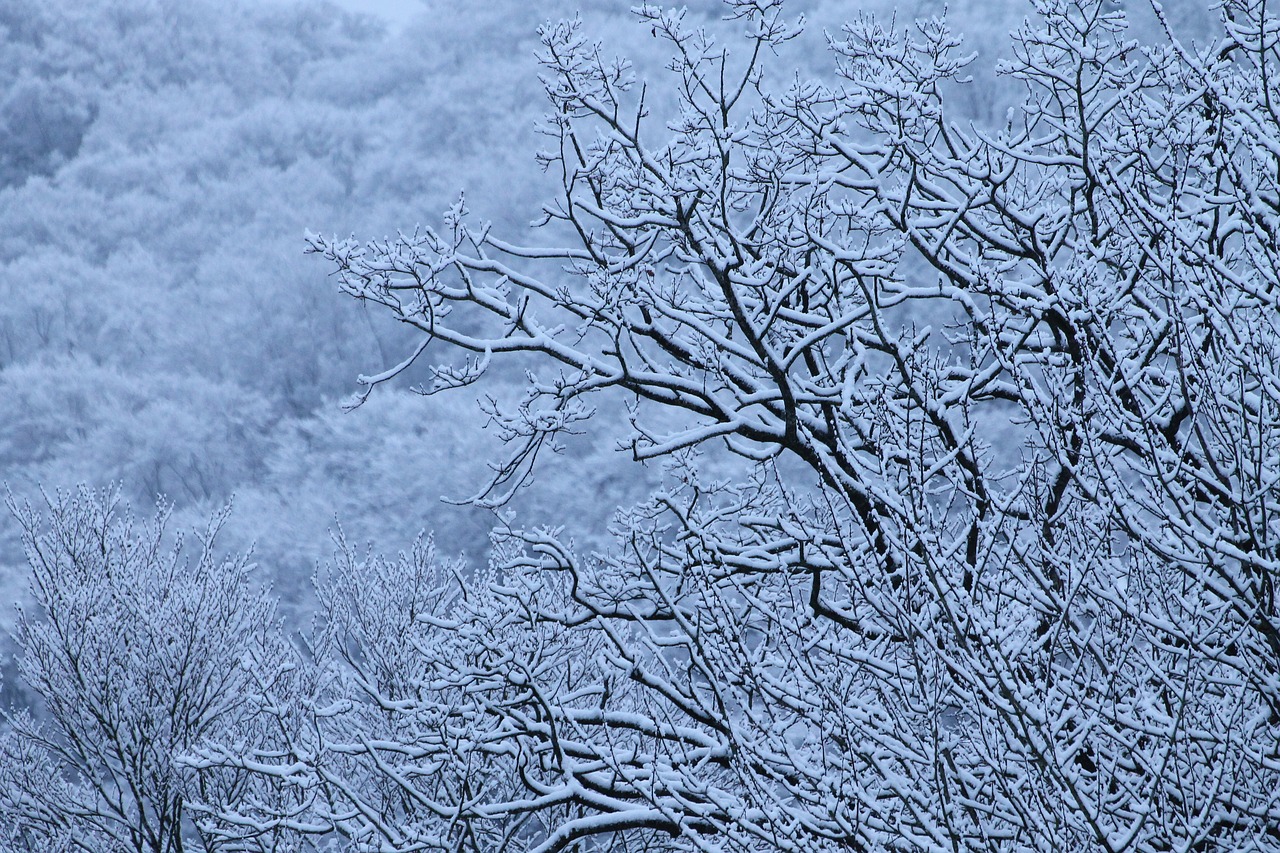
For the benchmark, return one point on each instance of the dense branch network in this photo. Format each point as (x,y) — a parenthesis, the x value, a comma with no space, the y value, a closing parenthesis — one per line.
(996,568)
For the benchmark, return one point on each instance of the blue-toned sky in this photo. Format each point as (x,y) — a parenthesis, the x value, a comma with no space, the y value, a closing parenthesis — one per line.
(396,12)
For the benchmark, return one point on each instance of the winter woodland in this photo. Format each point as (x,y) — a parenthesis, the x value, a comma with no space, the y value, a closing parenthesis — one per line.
(872,444)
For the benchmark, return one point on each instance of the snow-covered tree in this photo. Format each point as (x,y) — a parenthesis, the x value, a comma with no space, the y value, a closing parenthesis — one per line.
(138,653)
(999,568)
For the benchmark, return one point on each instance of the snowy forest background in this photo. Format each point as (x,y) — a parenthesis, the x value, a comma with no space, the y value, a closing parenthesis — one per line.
(160,328)
(162,331)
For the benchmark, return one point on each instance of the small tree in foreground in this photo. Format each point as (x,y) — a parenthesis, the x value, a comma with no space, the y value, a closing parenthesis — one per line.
(138,653)
(1000,571)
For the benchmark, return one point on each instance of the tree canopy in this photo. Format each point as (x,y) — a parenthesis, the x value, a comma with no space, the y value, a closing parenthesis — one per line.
(965,414)
(999,571)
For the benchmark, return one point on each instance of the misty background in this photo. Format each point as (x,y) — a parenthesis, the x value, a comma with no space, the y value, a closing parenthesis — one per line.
(161,329)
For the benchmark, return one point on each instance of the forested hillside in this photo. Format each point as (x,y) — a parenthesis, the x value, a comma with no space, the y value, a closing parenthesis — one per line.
(160,328)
